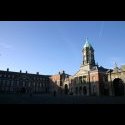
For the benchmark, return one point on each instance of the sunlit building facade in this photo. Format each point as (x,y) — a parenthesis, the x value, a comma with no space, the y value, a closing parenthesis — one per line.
(61,82)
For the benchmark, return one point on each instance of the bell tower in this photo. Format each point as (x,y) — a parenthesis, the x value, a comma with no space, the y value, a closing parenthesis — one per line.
(88,54)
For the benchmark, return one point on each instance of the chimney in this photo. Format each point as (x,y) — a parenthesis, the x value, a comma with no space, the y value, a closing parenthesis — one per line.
(37,73)
(7,69)
(63,71)
(20,71)
(26,72)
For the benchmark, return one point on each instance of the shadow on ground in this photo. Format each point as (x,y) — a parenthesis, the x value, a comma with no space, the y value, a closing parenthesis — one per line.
(49,99)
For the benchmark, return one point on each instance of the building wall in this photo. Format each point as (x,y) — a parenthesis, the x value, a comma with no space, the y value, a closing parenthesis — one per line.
(94,80)
(112,76)
(56,79)
(60,82)
(95,83)
(16,82)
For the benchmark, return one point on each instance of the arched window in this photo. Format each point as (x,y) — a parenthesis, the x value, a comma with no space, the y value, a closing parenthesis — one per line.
(11,83)
(93,79)
(76,90)
(80,90)
(84,90)
(94,89)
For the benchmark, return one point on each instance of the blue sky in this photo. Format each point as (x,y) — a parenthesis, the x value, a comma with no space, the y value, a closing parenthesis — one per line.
(52,46)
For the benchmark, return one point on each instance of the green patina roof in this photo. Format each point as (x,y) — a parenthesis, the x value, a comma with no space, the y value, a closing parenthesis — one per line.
(87,44)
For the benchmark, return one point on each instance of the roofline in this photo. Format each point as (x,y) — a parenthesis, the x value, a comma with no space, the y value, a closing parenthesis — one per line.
(23,73)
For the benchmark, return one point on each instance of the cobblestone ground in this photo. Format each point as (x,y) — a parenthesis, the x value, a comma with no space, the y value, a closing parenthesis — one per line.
(65,99)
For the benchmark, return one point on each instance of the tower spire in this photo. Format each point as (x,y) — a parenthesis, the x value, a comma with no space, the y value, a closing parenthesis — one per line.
(88,54)
(87,44)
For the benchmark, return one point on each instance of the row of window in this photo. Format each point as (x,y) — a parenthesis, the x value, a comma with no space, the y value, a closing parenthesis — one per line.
(21,76)
(17,83)
(11,89)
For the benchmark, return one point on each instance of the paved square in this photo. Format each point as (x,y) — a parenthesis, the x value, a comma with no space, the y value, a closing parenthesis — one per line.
(49,99)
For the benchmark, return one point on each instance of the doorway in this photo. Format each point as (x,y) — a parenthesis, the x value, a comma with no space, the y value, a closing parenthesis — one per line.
(118,87)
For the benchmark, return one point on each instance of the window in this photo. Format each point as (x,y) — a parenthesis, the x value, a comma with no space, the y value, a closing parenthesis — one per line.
(11,83)
(23,84)
(40,84)
(93,79)
(1,83)
(17,83)
(4,82)
(94,89)
(104,78)
(76,90)
(84,90)
(43,84)
(8,83)
(34,84)
(29,84)
(12,76)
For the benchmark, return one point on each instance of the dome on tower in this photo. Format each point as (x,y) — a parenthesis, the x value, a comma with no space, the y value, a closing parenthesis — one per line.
(87,44)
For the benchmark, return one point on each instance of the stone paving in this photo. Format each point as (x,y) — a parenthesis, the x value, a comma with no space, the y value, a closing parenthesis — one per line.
(64,99)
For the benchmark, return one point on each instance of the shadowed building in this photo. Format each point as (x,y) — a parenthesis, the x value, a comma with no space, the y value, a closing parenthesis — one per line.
(116,78)
(90,79)
(18,82)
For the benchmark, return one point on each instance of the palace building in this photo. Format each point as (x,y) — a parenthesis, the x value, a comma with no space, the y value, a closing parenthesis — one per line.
(90,80)
(116,80)
(18,82)
(61,82)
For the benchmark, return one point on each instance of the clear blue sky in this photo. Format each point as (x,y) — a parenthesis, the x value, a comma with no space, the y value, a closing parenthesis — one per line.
(50,46)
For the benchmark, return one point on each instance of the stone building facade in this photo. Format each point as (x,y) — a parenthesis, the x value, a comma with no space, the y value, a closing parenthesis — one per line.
(91,79)
(61,82)
(18,82)
(116,80)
